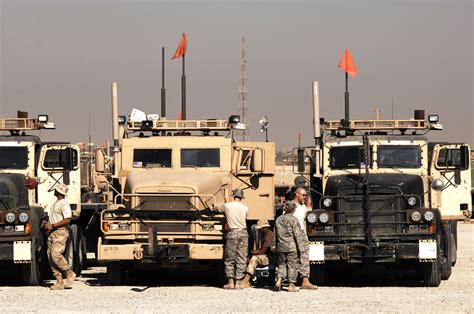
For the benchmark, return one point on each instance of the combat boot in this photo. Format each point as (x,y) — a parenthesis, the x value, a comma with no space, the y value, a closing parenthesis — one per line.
(59,284)
(70,276)
(230,285)
(308,285)
(245,283)
(292,287)
(278,284)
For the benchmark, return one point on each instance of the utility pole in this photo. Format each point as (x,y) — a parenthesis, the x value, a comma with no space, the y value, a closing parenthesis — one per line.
(242,107)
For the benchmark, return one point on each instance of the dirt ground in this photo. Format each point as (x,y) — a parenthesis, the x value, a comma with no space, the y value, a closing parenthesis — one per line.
(371,290)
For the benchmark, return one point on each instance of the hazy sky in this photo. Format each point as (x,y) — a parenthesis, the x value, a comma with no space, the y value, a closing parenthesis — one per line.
(60,57)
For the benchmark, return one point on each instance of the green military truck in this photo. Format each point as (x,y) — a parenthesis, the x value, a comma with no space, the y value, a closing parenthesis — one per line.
(383,193)
(29,172)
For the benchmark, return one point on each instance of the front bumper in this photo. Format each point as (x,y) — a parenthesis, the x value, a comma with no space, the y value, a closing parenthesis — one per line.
(167,253)
(422,250)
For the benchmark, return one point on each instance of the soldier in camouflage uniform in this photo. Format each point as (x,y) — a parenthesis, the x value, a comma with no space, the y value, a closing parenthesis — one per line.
(236,246)
(300,213)
(59,219)
(290,240)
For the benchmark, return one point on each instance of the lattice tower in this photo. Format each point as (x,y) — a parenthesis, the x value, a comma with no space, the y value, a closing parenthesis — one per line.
(242,106)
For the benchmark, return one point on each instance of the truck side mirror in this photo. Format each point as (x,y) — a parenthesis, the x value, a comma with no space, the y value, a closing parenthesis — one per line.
(457,176)
(257,164)
(301,165)
(464,157)
(99,160)
(69,159)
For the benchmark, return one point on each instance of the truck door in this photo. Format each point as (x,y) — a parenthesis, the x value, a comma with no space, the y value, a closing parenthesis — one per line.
(452,195)
(59,163)
(253,166)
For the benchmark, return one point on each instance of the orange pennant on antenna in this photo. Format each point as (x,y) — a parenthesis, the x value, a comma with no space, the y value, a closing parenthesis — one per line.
(181,50)
(180,116)
(347,64)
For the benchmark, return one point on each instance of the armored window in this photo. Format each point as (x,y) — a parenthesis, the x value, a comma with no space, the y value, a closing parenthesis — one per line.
(57,158)
(159,158)
(399,156)
(200,157)
(347,157)
(450,158)
(13,157)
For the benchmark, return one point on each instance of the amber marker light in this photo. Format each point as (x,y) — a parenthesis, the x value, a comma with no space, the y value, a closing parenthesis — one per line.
(28,228)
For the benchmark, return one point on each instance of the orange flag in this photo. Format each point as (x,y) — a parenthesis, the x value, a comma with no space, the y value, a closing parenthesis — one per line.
(181,50)
(308,202)
(180,116)
(347,64)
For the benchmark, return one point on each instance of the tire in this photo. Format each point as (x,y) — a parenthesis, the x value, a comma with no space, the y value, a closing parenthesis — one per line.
(447,266)
(432,271)
(115,273)
(454,233)
(319,274)
(74,252)
(31,273)
(454,251)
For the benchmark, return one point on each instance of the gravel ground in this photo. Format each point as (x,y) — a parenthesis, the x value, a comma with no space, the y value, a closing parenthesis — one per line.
(190,293)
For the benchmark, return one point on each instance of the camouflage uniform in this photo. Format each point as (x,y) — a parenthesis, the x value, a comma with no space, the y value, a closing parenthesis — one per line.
(235,253)
(56,245)
(300,214)
(289,240)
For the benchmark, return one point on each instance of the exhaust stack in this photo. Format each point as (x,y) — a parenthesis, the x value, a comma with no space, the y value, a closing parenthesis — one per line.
(317,129)
(115,128)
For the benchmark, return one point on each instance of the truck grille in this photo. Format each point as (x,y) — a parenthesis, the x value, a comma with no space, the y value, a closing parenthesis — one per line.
(386,216)
(167,227)
(165,202)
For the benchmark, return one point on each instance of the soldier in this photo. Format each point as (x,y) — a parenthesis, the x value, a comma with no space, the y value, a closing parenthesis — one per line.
(261,256)
(289,240)
(59,219)
(236,246)
(300,213)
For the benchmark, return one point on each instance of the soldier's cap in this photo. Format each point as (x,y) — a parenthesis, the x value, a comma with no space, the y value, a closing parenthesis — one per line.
(262,223)
(289,205)
(61,189)
(238,193)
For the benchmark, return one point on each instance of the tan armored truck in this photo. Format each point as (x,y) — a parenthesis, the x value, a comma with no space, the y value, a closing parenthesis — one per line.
(167,176)
(383,193)
(29,172)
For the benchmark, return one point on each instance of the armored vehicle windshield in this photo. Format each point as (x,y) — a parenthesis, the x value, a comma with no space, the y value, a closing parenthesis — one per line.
(13,157)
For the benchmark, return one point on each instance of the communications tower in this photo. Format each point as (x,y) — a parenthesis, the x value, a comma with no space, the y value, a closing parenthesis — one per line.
(242,106)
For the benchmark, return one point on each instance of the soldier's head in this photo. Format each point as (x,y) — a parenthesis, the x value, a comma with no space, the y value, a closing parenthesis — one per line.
(238,194)
(300,195)
(262,224)
(60,191)
(289,207)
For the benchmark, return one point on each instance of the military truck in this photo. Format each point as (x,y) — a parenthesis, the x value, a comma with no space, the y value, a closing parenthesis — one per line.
(167,176)
(26,161)
(383,193)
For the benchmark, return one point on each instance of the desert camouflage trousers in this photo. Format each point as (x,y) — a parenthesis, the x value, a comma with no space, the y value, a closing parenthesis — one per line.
(257,260)
(56,245)
(304,261)
(288,266)
(235,253)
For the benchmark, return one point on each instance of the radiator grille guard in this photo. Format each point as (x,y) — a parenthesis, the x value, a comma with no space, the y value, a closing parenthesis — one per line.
(387,217)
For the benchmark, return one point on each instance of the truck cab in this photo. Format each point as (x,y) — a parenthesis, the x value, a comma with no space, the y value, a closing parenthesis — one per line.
(382,193)
(170,174)
(30,170)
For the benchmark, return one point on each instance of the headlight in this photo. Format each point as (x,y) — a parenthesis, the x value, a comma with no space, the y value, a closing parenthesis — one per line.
(415,216)
(324,218)
(327,202)
(428,216)
(437,184)
(411,201)
(311,218)
(23,217)
(119,227)
(10,218)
